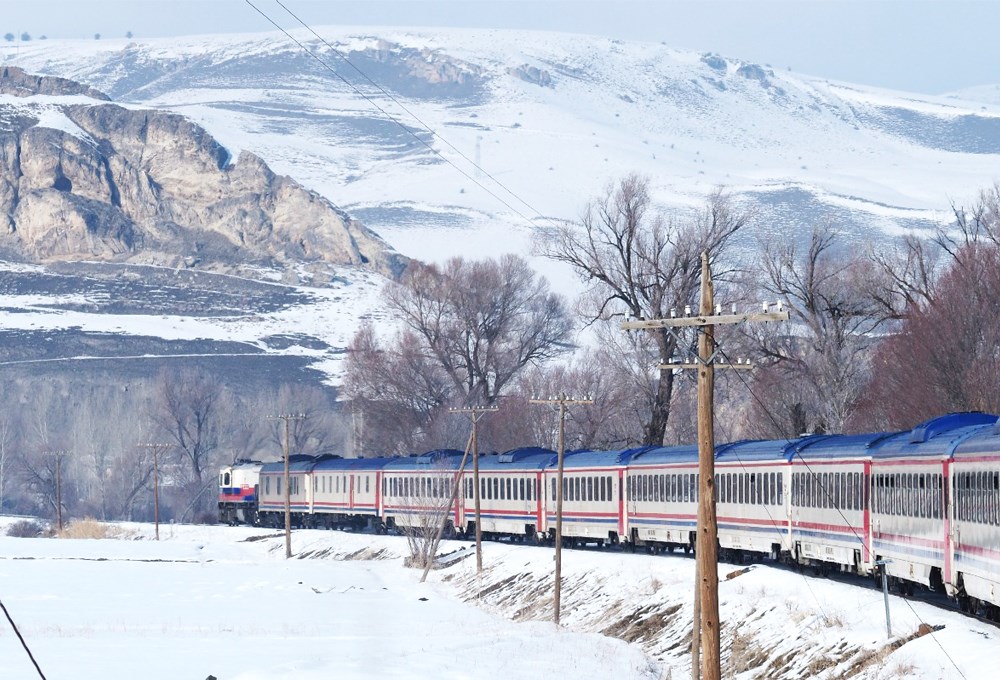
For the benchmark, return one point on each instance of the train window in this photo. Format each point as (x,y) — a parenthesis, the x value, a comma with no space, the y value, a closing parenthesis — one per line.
(509,484)
(278,486)
(566,486)
(553,489)
(368,480)
(502,492)
(589,489)
(495,494)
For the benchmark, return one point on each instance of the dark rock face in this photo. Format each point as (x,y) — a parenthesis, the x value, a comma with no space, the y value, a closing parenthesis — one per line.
(17,82)
(84,181)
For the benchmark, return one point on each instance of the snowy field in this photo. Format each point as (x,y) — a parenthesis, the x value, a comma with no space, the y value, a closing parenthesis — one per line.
(202,601)
(205,600)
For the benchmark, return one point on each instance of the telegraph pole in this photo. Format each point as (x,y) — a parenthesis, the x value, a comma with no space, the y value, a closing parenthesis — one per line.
(475,413)
(156,449)
(58,456)
(707,542)
(562,401)
(287,418)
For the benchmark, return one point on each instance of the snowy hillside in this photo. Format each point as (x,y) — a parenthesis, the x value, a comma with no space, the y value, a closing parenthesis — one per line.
(223,600)
(553,117)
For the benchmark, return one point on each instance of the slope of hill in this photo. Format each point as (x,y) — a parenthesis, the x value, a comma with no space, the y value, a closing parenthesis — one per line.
(553,117)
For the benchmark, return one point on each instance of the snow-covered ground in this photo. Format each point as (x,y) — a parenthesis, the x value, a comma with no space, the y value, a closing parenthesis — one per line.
(205,600)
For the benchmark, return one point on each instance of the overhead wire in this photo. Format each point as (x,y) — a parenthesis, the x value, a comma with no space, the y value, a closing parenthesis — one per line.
(397,122)
(21,638)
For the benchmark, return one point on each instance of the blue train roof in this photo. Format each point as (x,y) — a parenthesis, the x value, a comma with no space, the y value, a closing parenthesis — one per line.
(344,464)
(298,462)
(444,459)
(528,458)
(938,437)
(828,446)
(751,450)
(588,459)
(984,441)
(663,455)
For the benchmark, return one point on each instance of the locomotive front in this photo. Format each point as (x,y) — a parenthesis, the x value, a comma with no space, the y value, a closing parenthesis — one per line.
(239,489)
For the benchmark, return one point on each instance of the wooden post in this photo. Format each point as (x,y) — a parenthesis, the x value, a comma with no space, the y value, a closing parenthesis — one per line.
(562,400)
(707,545)
(287,418)
(476,496)
(706,606)
(156,448)
(58,455)
(475,413)
(59,489)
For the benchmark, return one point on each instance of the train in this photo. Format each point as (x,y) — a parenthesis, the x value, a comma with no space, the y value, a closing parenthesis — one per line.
(922,504)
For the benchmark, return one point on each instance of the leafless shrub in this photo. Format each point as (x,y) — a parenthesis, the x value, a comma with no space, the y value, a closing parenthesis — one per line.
(25,528)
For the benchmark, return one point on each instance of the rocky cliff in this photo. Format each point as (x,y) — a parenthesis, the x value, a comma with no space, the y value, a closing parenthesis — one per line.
(82,178)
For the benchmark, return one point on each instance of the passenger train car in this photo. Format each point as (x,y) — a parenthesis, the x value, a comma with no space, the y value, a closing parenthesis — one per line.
(923,504)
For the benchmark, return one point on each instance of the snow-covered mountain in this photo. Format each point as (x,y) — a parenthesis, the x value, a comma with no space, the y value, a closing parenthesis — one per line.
(552,117)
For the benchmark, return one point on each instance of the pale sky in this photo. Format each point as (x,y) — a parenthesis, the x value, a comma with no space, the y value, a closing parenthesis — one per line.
(928,46)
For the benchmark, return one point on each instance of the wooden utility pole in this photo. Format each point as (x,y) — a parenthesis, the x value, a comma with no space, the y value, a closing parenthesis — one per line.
(156,449)
(58,456)
(706,625)
(287,418)
(563,401)
(475,413)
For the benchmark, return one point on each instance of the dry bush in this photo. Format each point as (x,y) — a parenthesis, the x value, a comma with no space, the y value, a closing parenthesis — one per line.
(91,528)
(25,528)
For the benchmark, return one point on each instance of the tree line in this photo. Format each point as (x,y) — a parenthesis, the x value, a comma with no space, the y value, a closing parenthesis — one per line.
(881,336)
(92,438)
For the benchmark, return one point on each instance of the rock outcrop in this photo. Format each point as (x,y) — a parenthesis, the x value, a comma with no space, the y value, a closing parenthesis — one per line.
(83,178)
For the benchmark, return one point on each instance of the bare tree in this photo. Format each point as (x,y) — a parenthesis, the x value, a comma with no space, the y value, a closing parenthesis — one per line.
(823,360)
(7,428)
(396,389)
(642,263)
(310,434)
(186,411)
(944,357)
(470,329)
(482,321)
(425,529)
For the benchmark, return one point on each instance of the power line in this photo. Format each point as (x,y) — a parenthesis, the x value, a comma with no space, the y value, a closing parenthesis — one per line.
(21,638)
(412,115)
(406,129)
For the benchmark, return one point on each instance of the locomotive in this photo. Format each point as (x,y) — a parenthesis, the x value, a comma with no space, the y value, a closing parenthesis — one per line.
(922,503)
